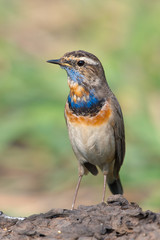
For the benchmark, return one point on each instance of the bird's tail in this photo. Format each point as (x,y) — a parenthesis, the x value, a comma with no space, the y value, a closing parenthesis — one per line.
(116,187)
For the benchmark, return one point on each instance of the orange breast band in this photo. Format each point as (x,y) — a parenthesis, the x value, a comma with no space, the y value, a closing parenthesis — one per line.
(102,116)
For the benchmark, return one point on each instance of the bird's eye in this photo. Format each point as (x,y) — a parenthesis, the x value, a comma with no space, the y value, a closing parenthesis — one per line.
(80,63)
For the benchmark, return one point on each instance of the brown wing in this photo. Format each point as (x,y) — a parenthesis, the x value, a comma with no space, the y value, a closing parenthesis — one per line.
(119,134)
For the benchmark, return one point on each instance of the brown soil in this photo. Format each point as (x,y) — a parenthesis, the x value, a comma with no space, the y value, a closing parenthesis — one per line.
(116,219)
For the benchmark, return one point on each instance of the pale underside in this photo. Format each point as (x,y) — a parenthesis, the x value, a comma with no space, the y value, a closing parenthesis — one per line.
(94,144)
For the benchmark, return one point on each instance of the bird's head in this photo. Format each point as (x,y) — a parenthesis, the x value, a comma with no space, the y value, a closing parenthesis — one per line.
(82,68)
(86,79)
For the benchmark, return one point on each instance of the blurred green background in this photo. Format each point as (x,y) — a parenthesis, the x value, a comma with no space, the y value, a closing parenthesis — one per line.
(38,170)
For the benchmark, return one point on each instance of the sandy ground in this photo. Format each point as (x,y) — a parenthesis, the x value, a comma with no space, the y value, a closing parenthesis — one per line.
(28,204)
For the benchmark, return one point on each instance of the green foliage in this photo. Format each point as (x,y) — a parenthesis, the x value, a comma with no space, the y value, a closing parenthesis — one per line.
(124,35)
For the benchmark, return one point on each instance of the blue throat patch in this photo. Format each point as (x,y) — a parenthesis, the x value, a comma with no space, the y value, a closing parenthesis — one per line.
(73,74)
(92,105)
(89,107)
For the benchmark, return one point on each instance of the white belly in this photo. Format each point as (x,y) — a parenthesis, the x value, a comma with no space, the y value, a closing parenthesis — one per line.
(94,144)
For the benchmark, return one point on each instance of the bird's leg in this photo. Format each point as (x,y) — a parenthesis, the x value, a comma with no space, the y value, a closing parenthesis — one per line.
(104,187)
(76,191)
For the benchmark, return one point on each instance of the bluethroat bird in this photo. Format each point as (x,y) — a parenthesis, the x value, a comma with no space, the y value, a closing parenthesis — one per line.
(94,120)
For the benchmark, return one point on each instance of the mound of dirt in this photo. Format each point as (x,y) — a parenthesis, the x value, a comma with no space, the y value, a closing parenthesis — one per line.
(116,219)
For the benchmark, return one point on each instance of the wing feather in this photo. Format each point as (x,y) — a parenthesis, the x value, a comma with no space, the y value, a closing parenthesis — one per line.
(119,134)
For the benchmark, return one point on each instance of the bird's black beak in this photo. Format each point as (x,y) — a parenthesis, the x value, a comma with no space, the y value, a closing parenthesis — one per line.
(55,61)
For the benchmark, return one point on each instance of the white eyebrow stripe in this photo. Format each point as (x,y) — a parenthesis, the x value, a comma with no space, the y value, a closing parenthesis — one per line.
(89,60)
